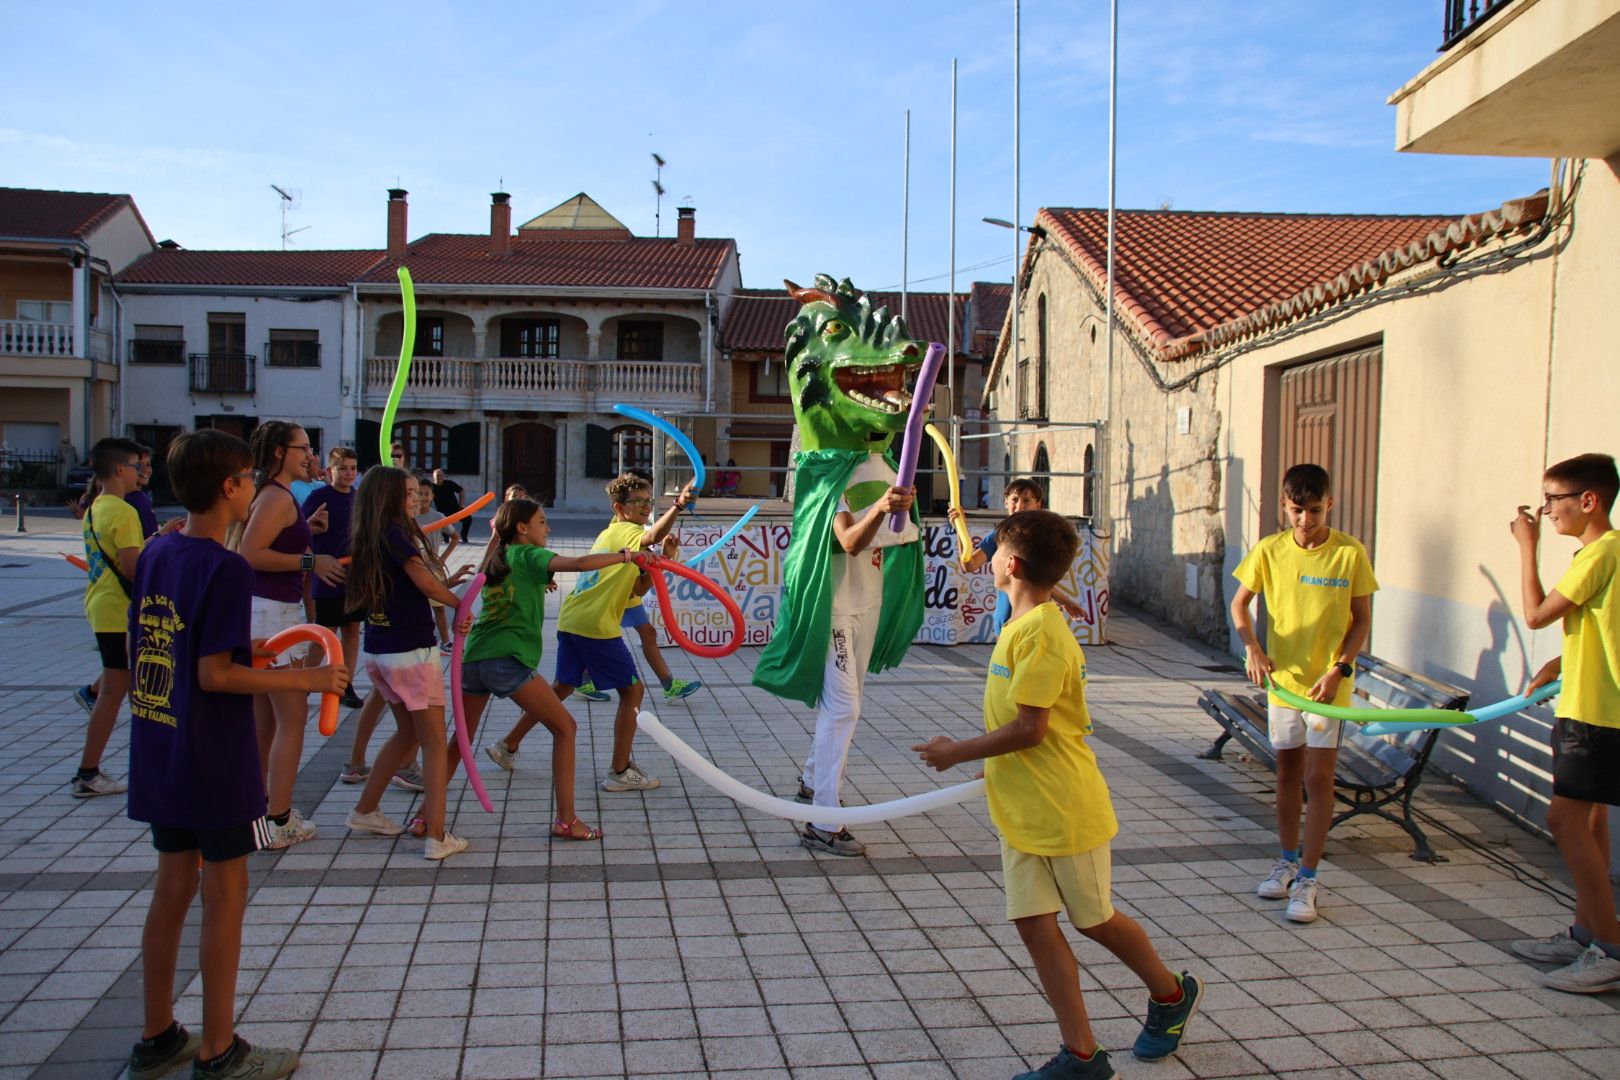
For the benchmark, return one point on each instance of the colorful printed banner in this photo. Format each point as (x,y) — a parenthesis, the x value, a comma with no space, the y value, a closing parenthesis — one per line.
(959,607)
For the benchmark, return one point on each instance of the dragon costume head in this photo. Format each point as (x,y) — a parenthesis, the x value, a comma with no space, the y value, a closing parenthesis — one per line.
(849,366)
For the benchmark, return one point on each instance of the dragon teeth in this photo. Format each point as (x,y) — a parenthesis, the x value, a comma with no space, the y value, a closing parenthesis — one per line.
(873,403)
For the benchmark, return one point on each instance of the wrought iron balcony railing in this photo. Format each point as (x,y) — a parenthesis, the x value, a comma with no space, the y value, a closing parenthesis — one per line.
(1463,15)
(222,373)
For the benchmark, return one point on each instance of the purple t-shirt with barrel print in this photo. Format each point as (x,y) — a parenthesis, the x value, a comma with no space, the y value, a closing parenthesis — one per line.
(406,620)
(193,754)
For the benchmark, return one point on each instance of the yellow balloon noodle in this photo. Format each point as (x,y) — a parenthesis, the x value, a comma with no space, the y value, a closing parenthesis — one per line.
(949,459)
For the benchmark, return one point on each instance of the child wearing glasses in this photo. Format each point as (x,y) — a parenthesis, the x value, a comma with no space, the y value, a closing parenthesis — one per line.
(1577,497)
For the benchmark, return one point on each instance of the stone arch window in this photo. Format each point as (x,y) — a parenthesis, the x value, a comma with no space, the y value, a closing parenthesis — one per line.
(1088,497)
(1043,470)
(1043,376)
(427,444)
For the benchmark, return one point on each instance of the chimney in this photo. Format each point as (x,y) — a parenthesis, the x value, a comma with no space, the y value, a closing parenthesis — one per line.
(685,227)
(396,222)
(500,223)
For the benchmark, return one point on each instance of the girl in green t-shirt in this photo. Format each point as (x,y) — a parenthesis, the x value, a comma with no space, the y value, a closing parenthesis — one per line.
(503,647)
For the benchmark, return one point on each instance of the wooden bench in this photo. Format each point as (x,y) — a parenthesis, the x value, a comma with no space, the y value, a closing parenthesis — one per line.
(1373,771)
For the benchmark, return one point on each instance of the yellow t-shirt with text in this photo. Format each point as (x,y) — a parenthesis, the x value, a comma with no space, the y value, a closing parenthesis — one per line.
(1308,594)
(1591,691)
(1050,799)
(599,598)
(117,525)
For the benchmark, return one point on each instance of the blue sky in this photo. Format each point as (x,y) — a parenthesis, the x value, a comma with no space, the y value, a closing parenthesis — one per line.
(782,123)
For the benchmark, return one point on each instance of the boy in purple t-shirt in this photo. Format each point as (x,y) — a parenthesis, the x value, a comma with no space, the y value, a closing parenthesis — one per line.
(194,758)
(330,606)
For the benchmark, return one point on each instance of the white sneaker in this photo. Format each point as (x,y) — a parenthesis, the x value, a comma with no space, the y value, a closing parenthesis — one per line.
(1275,886)
(1593,972)
(374,822)
(296,831)
(1302,900)
(1557,948)
(99,784)
(631,779)
(500,755)
(443,849)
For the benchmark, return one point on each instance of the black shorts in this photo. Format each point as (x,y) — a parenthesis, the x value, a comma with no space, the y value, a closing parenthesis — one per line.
(216,845)
(1586,762)
(114,650)
(331,611)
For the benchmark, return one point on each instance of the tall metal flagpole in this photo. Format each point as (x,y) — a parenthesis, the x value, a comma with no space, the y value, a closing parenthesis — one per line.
(1104,507)
(950,310)
(1012,352)
(905,222)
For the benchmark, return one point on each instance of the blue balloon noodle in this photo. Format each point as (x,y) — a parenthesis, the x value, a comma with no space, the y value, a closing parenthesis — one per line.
(699,474)
(725,537)
(1483,714)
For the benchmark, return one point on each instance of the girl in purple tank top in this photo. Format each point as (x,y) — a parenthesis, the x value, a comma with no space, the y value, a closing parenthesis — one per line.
(276,543)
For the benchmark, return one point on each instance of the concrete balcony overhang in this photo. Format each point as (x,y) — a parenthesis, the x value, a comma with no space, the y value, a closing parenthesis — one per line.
(1541,78)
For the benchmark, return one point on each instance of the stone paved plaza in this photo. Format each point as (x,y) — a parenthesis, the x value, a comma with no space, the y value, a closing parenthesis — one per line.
(699,938)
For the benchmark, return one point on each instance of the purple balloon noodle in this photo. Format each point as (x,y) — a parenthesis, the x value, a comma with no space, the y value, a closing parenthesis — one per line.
(921,395)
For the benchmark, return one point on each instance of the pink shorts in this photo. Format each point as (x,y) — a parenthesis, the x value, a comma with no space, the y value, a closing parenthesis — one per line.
(413,679)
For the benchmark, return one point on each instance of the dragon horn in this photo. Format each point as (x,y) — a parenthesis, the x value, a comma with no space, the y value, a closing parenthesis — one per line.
(809,296)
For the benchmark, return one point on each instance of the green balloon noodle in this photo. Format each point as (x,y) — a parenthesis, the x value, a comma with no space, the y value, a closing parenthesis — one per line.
(1351,714)
(402,373)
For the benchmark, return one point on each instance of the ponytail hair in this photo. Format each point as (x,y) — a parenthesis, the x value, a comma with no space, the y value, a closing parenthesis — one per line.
(513,512)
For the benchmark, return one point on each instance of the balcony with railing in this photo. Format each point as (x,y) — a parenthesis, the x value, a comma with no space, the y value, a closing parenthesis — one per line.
(25,337)
(1517,78)
(222,373)
(533,383)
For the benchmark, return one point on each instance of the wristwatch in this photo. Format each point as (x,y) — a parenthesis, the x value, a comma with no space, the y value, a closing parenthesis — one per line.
(1345,670)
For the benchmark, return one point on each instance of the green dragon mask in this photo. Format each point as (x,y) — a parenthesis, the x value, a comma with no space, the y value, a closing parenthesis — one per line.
(849,366)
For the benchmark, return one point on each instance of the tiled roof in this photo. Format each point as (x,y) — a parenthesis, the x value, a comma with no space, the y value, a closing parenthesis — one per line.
(57,215)
(987,303)
(1187,281)
(637,263)
(274,269)
(757,318)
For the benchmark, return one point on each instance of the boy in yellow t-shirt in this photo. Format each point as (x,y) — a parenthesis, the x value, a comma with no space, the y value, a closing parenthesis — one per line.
(113,537)
(1050,803)
(588,637)
(1318,584)
(1577,496)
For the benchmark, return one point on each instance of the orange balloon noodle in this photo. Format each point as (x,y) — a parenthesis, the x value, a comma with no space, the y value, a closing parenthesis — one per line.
(466,511)
(76,561)
(317,635)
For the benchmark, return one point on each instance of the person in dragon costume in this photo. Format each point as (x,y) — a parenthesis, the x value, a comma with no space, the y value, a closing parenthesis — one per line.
(852,587)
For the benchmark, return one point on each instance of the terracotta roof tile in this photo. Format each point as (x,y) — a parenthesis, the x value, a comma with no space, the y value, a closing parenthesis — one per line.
(273,269)
(757,318)
(988,304)
(56,215)
(637,263)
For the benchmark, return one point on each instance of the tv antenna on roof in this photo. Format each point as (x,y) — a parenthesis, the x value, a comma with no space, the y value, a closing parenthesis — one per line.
(290,200)
(658,196)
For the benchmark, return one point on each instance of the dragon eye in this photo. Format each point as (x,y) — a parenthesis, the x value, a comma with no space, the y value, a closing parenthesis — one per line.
(833,329)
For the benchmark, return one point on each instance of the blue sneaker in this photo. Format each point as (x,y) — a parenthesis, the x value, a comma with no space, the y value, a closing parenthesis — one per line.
(86,698)
(1067,1066)
(590,693)
(679,688)
(1162,1032)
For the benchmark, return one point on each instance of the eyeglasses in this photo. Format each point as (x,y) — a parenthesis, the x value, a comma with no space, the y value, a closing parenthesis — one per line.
(305,447)
(144,466)
(242,475)
(638,502)
(1554,496)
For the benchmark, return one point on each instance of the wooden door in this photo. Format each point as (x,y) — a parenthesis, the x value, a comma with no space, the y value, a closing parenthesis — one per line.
(529,457)
(1329,416)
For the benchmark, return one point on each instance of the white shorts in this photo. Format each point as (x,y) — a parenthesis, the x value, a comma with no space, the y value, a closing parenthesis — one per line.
(271,617)
(1290,729)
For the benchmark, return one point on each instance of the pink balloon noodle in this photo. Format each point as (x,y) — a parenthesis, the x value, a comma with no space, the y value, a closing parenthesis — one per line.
(921,395)
(463,742)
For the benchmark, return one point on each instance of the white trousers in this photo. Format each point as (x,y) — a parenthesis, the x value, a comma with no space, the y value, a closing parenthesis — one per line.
(848,653)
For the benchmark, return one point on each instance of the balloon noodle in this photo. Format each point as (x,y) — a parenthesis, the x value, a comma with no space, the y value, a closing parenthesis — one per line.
(922,395)
(75,560)
(1393,721)
(955,478)
(402,373)
(699,473)
(732,788)
(449,519)
(655,564)
(463,740)
(725,537)
(328,641)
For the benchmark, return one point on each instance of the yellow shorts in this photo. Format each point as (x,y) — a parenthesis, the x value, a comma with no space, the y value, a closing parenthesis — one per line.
(1046,884)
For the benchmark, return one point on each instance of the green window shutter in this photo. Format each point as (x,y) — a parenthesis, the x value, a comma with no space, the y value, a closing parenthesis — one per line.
(598,452)
(365,443)
(464,439)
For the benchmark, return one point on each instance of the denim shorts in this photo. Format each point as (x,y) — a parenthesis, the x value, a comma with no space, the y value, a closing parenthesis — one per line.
(498,675)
